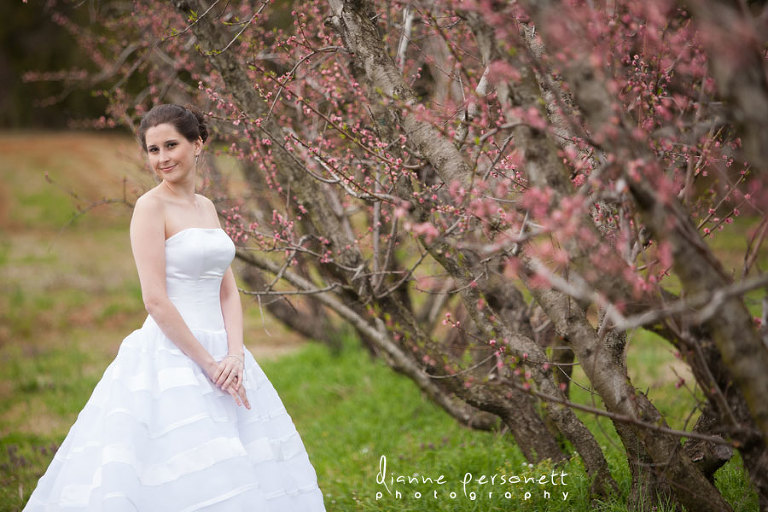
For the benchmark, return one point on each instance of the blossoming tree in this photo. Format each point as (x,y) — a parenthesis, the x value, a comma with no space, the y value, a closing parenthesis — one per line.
(491,191)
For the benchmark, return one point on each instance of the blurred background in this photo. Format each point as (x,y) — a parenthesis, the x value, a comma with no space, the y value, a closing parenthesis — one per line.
(30,42)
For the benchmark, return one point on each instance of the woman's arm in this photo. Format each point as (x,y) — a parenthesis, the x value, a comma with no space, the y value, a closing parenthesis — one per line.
(231,307)
(148,244)
(232,310)
(231,370)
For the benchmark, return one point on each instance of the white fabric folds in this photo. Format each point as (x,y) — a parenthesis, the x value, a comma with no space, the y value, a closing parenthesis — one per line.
(157,435)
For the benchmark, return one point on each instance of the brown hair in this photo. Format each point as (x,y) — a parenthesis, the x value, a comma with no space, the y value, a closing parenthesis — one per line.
(187,121)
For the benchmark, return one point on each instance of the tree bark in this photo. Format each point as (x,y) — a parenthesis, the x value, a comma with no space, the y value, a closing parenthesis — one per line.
(689,485)
(708,456)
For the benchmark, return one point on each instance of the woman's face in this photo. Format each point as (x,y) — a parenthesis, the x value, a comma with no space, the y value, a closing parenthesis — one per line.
(170,154)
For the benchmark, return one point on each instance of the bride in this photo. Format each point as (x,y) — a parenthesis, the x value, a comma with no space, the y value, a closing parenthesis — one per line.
(184,418)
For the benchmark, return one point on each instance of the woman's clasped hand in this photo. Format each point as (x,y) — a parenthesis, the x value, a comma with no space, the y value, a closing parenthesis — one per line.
(228,375)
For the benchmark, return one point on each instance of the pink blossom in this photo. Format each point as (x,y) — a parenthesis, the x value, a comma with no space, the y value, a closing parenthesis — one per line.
(502,71)
(427,230)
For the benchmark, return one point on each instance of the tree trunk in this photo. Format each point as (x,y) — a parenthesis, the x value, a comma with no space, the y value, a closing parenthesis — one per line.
(708,456)
(690,486)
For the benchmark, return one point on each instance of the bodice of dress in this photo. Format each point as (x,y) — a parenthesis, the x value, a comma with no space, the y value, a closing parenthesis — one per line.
(195,262)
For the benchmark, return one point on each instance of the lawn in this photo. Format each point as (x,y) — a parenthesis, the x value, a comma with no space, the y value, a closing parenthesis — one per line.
(70,295)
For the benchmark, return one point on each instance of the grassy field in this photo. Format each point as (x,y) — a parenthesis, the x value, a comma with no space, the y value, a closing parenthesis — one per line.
(70,295)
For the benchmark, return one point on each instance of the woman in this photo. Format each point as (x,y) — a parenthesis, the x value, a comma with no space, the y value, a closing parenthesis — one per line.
(183,418)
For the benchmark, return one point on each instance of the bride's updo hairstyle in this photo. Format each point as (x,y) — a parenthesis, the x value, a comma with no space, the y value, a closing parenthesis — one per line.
(187,121)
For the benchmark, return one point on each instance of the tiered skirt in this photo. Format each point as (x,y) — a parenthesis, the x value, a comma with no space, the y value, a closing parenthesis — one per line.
(157,435)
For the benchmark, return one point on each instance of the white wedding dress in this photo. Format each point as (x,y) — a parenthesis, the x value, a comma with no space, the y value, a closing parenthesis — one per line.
(157,435)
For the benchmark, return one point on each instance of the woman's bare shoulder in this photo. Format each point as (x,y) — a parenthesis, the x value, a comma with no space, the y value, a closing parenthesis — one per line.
(151,199)
(149,204)
(208,205)
(207,202)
